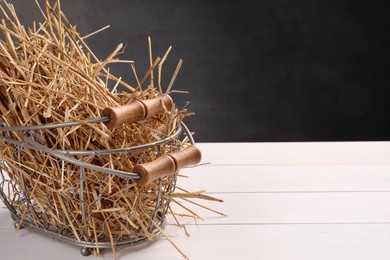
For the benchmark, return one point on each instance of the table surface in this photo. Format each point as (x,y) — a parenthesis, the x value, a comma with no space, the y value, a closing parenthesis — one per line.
(283,201)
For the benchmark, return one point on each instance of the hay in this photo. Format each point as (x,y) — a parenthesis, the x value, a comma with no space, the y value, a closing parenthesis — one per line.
(48,74)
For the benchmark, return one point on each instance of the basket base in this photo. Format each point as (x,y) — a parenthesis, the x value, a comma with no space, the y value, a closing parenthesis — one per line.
(85,251)
(18,226)
(86,247)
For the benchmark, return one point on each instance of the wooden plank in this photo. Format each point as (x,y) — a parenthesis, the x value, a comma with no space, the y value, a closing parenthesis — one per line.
(360,241)
(281,242)
(27,244)
(296,153)
(259,208)
(287,178)
(5,217)
(283,202)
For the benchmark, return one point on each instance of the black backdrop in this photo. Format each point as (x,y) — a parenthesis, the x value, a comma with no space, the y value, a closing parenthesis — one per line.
(257,70)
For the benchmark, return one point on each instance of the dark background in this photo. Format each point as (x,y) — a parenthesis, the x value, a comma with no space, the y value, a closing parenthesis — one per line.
(258,70)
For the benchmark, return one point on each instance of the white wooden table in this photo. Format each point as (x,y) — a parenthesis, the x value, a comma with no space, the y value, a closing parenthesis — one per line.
(284,201)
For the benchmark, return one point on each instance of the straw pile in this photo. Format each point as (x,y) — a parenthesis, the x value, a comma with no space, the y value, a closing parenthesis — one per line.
(48,74)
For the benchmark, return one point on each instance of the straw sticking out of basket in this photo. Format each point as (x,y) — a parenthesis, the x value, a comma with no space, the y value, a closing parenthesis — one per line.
(49,75)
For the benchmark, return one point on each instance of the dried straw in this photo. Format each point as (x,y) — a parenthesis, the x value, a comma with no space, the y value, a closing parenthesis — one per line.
(48,74)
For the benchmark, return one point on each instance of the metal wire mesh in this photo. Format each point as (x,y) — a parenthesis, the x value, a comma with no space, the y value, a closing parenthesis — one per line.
(60,206)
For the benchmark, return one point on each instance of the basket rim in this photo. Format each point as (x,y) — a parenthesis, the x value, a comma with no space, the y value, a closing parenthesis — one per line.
(67,156)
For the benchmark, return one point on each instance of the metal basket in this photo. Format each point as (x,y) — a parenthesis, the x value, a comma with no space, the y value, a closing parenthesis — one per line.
(15,191)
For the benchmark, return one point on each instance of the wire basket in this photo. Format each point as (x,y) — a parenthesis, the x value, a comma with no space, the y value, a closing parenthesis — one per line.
(75,207)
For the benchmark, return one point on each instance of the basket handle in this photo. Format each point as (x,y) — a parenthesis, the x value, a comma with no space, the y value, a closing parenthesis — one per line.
(137,110)
(167,164)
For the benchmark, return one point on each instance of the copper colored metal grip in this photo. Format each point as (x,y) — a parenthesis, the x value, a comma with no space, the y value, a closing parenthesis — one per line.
(167,164)
(137,110)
